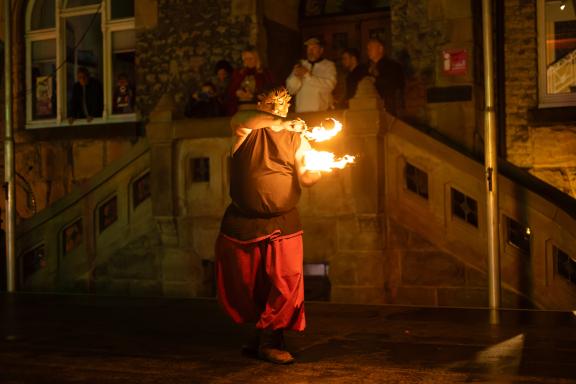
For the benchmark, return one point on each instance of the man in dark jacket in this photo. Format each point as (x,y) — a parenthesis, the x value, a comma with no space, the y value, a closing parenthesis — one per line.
(356,72)
(388,76)
(87,99)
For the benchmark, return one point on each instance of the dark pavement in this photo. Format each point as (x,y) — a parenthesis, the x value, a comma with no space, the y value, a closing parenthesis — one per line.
(95,339)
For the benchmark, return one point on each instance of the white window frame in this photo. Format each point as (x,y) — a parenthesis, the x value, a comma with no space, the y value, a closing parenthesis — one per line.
(108,26)
(546,100)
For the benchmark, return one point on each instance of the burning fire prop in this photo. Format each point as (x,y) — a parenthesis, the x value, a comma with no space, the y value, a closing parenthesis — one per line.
(321,160)
(320,133)
(324,161)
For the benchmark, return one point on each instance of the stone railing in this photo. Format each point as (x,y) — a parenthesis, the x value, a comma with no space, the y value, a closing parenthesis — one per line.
(97,238)
(562,74)
(436,201)
(405,224)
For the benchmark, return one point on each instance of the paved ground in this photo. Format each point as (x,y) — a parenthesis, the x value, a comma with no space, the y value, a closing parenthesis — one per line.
(91,339)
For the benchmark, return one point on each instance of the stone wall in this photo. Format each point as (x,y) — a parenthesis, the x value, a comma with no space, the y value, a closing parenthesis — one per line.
(48,171)
(548,152)
(190,37)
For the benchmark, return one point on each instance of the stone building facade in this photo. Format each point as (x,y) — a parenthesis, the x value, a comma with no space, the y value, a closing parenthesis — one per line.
(374,256)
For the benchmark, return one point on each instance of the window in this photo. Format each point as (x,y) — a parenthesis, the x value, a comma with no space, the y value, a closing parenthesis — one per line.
(141,190)
(72,236)
(108,214)
(200,167)
(464,207)
(557,52)
(80,61)
(565,265)
(416,180)
(32,261)
(518,235)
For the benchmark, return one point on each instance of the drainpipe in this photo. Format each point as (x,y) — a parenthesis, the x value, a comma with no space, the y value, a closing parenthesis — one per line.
(9,190)
(491,161)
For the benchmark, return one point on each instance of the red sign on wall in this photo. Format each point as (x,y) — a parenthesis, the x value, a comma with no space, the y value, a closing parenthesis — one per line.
(454,62)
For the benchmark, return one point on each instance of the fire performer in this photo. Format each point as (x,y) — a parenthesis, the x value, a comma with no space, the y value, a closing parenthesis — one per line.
(259,252)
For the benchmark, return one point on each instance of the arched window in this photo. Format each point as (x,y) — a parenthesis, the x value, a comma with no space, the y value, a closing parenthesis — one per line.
(80,62)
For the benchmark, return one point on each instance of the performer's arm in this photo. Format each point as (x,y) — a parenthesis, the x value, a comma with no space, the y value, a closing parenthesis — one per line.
(242,128)
(307,178)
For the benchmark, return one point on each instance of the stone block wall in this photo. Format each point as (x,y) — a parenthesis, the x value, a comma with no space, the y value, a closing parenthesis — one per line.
(179,53)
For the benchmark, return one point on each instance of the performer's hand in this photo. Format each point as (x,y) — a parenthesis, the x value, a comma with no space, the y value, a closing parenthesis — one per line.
(297,125)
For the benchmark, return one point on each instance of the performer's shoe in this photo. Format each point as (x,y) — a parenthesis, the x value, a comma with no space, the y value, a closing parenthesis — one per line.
(277,356)
(272,347)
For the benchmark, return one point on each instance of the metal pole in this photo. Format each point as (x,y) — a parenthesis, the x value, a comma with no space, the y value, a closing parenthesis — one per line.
(491,161)
(9,189)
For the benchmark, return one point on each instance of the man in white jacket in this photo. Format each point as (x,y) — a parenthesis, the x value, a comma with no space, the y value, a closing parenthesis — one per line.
(313,79)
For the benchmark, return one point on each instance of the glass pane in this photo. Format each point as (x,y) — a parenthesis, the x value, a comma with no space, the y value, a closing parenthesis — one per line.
(560,47)
(80,3)
(33,261)
(43,79)
(43,15)
(121,9)
(108,213)
(84,67)
(518,235)
(123,44)
(566,266)
(141,190)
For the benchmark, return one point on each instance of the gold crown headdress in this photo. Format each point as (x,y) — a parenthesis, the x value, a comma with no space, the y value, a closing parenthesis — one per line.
(276,102)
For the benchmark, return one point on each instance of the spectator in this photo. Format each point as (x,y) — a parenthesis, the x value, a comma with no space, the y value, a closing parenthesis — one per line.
(223,71)
(87,97)
(355,73)
(204,103)
(312,80)
(123,96)
(248,82)
(388,76)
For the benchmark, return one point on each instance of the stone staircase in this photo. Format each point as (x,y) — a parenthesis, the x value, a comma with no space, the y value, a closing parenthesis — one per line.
(405,224)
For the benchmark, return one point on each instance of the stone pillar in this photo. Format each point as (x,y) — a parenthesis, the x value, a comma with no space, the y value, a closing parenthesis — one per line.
(178,273)
(357,270)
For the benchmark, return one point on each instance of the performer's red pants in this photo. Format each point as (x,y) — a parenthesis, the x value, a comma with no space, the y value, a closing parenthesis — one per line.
(261,280)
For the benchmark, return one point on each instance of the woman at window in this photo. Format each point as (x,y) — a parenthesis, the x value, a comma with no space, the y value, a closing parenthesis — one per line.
(251,80)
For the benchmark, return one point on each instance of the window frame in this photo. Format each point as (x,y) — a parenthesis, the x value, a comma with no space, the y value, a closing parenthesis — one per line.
(546,100)
(108,27)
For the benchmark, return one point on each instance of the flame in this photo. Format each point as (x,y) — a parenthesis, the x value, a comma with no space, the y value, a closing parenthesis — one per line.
(320,133)
(324,161)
